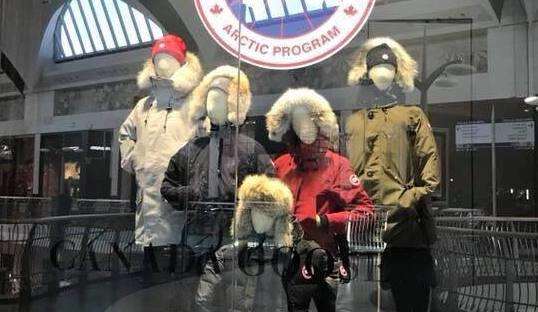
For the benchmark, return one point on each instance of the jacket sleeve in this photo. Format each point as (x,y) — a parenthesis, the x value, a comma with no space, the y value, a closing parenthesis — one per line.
(264,164)
(175,188)
(349,194)
(426,161)
(128,138)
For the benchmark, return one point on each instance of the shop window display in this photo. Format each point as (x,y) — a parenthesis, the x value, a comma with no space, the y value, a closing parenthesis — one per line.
(257,155)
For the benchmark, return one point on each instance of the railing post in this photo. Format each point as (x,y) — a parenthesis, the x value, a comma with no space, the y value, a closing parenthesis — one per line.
(115,265)
(509,286)
(83,268)
(25,294)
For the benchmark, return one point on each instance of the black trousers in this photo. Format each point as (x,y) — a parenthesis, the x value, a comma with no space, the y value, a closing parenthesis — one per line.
(410,275)
(324,293)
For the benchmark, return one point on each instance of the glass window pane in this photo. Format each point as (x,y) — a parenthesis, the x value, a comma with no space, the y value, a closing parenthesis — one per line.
(103,24)
(71,32)
(82,28)
(155,30)
(115,21)
(127,21)
(140,21)
(65,43)
(92,26)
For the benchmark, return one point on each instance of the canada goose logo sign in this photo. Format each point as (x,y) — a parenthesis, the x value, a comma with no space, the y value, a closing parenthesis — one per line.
(283,34)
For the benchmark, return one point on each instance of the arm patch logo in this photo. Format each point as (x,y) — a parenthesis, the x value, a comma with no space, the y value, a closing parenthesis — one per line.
(354,180)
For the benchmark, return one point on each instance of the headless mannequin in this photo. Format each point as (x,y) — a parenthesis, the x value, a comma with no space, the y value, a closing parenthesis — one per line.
(261,223)
(378,131)
(382,76)
(386,91)
(303,125)
(165,67)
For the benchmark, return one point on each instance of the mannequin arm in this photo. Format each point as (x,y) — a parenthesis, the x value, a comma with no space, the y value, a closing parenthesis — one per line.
(427,164)
(349,194)
(174,187)
(127,139)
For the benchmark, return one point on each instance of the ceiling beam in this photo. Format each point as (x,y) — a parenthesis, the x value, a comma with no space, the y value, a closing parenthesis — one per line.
(495,15)
(530,8)
(418,8)
(11,72)
(164,12)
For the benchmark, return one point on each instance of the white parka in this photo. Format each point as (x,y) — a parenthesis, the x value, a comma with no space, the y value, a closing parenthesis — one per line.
(150,135)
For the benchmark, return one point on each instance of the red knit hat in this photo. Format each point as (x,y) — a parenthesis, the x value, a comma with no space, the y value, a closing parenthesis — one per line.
(172,45)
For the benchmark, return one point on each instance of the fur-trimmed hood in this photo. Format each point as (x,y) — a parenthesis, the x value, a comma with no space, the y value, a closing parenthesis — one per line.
(239,98)
(407,66)
(270,196)
(278,119)
(184,80)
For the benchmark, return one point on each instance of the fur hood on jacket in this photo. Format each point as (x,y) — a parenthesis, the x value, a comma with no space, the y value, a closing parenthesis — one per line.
(274,199)
(407,66)
(239,98)
(184,80)
(278,119)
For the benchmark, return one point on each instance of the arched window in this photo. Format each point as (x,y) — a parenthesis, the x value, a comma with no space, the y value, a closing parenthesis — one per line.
(90,27)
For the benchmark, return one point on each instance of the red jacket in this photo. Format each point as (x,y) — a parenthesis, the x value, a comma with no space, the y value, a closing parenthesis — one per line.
(330,188)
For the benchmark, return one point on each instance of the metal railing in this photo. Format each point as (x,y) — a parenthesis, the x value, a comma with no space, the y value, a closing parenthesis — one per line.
(43,256)
(488,264)
(483,263)
(12,207)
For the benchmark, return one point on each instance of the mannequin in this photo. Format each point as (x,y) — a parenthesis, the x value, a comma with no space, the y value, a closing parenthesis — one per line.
(393,151)
(262,223)
(326,191)
(204,170)
(154,130)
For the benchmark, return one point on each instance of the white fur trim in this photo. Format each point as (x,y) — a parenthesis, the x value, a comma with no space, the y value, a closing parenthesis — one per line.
(407,66)
(238,102)
(278,119)
(184,80)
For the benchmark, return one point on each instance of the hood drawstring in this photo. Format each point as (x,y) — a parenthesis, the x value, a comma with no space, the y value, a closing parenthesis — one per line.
(150,101)
(168,110)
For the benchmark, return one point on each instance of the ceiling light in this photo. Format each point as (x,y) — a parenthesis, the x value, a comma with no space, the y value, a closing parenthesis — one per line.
(532,100)
(445,82)
(460,69)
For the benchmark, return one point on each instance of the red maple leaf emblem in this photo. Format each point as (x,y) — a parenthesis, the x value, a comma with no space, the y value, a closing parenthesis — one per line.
(216,9)
(350,10)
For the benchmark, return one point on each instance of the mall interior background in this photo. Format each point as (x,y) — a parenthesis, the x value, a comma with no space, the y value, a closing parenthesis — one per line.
(61,134)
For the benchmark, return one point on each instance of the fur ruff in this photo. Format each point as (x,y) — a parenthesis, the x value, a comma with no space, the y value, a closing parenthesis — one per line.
(239,98)
(184,80)
(407,66)
(267,195)
(278,119)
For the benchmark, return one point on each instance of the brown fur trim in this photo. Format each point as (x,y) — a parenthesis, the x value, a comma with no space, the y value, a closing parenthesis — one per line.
(269,196)
(238,103)
(407,67)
